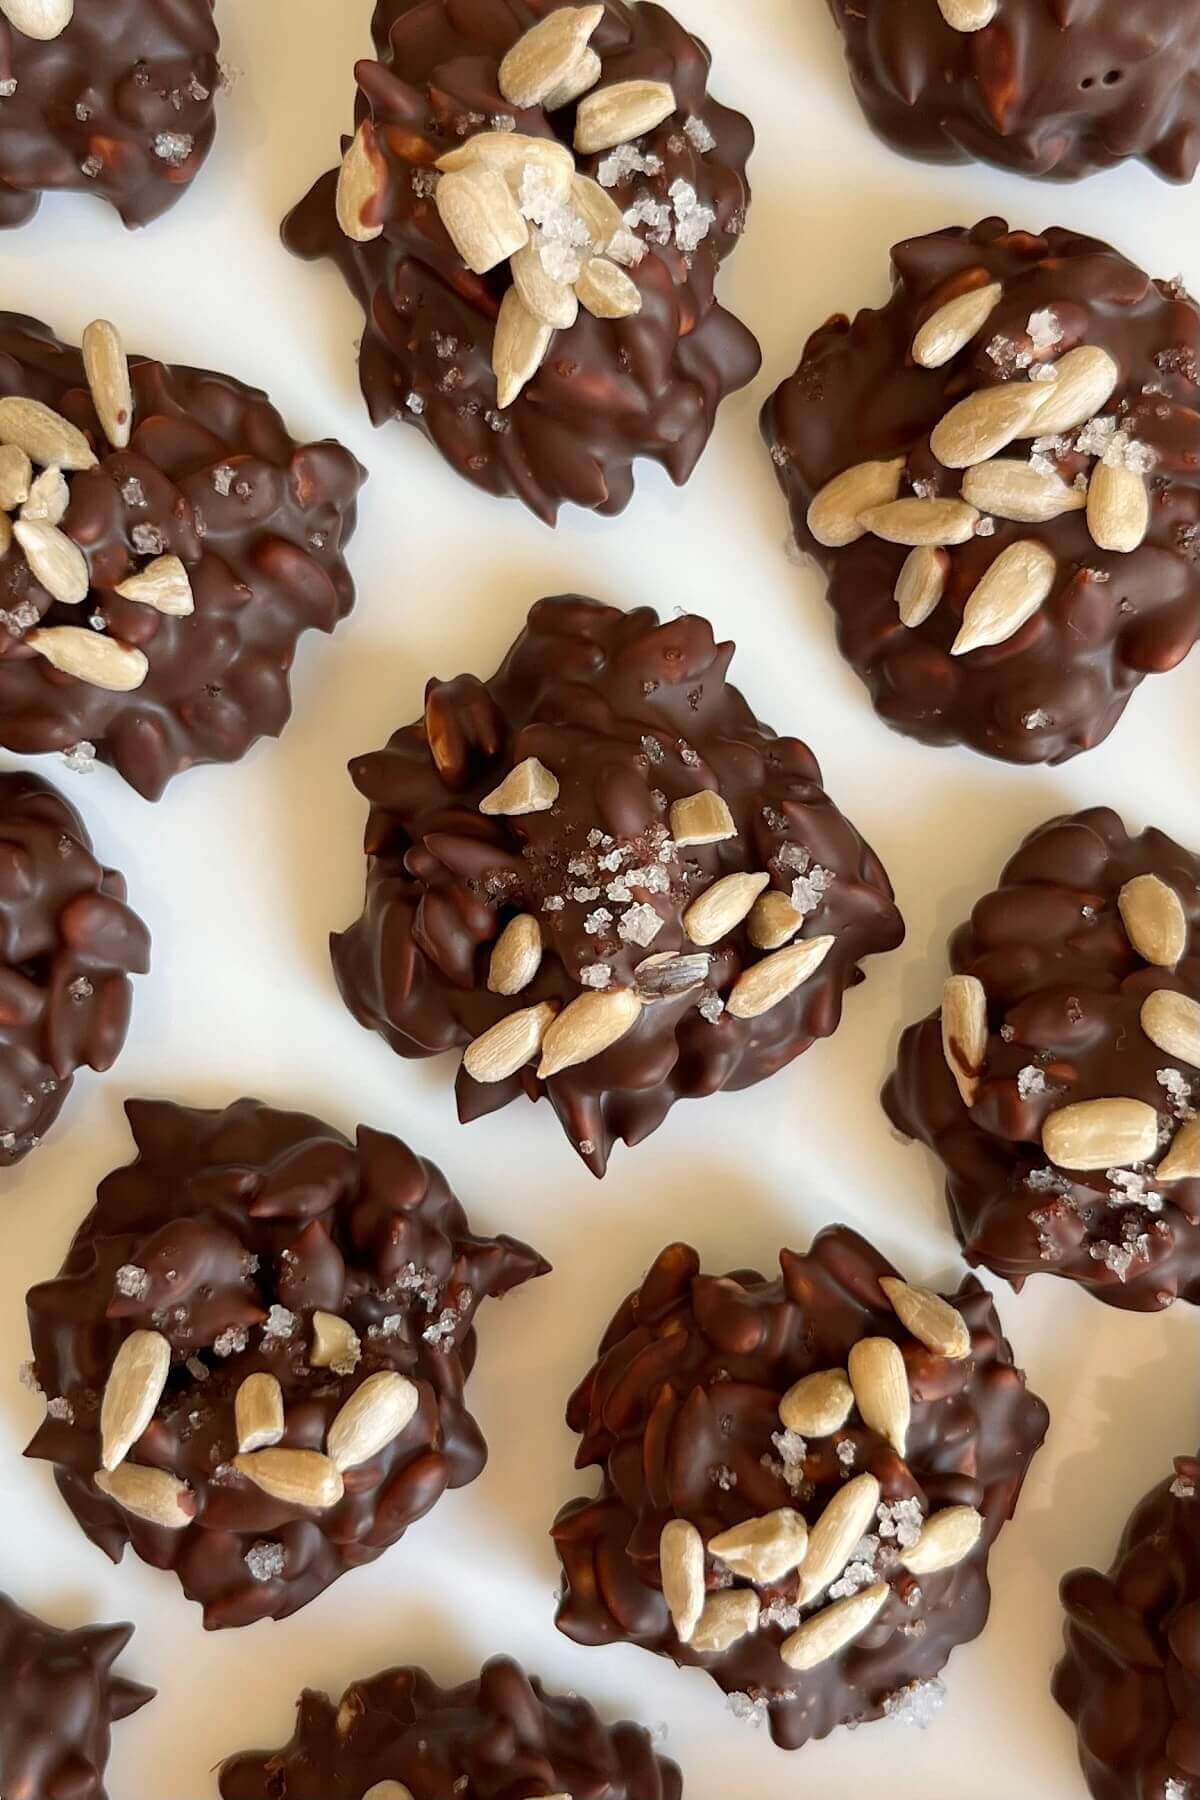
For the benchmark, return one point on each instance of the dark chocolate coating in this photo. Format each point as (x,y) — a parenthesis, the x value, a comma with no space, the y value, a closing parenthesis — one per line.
(1065,989)
(120,104)
(679,1413)
(1055,88)
(499,1737)
(229,1214)
(629,714)
(59,1700)
(609,390)
(68,945)
(259,521)
(1060,684)
(1129,1675)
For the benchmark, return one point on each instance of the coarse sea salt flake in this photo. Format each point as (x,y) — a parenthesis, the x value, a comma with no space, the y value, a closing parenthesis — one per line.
(132,1282)
(265,1561)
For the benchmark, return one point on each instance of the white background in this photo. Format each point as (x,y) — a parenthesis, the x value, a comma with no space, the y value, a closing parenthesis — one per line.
(242,871)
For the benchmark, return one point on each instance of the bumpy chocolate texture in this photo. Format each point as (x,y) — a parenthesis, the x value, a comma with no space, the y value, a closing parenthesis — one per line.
(610,388)
(563,919)
(868,1469)
(254,1357)
(496,1737)
(184,569)
(1077,985)
(61,1700)
(118,103)
(1094,368)
(68,945)
(1128,1678)
(1056,88)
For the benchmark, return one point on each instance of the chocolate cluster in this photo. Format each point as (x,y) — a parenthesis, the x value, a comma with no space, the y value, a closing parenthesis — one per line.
(163,545)
(105,97)
(996,470)
(802,1480)
(1056,1082)
(1128,1678)
(255,1354)
(1045,87)
(497,1737)
(606,880)
(60,1700)
(68,945)
(532,212)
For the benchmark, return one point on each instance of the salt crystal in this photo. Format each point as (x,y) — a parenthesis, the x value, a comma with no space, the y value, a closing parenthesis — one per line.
(279,1323)
(985,527)
(424,183)
(809,890)
(847,1453)
(654,215)
(1045,1181)
(924,490)
(596,975)
(440,1335)
(83,112)
(1180,1092)
(586,1147)
(174,147)
(132,1282)
(62,1410)
(585,895)
(1044,329)
(199,1371)
(596,921)
(653,749)
(1096,436)
(390,1326)
(501,121)
(917,1704)
(794,856)
(265,1561)
(80,758)
(415,404)
(724,1478)
(1183,1489)
(751,1712)
(553,903)
(91,166)
(196,89)
(148,540)
(1036,720)
(1130,1187)
(694,220)
(1043,372)
(579,865)
(854,1576)
(8,87)
(80,989)
(640,925)
(698,135)
(901,1520)
(625,161)
(1031,1081)
(711,1008)
(497,421)
(231,1342)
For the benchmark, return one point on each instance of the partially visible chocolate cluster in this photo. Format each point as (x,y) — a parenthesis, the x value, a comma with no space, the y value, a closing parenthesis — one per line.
(255,1355)
(68,945)
(532,212)
(802,1480)
(107,97)
(59,1700)
(499,1737)
(606,880)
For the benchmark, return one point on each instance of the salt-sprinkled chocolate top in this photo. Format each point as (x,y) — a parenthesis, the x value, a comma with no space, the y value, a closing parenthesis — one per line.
(606,879)
(254,1357)
(802,1480)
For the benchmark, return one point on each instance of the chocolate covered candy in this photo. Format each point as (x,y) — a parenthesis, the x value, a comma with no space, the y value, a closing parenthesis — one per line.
(68,945)
(496,1737)
(802,1480)
(255,1355)
(997,472)
(163,545)
(606,881)
(532,212)
(1056,1081)
(1056,88)
(106,97)
(59,1700)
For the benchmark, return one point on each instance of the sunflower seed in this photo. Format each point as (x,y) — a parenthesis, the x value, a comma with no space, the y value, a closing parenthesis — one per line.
(586,1028)
(529,788)
(701,818)
(107,368)
(723,906)
(763,1550)
(965,1032)
(483,220)
(56,560)
(49,498)
(922,522)
(162,584)
(835,1536)
(986,422)
(362,180)
(1118,508)
(511,153)
(44,435)
(16,475)
(727,1618)
(1101,1134)
(544,57)
(833,1629)
(396,1790)
(818,1405)
(508,1045)
(516,956)
(41,19)
(614,115)
(150,1494)
(1084,382)
(335,1344)
(951,328)
(834,513)
(258,1413)
(968,15)
(773,920)
(584,75)
(1012,489)
(131,1395)
(681,1561)
(598,210)
(6,536)
(880,1382)
(931,1320)
(518,348)
(1015,587)
(553,302)
(946,1539)
(921,584)
(1182,1161)
(607,291)
(1155,922)
(296,1477)
(765,984)
(372,1418)
(671,974)
(100,661)
(1172,1022)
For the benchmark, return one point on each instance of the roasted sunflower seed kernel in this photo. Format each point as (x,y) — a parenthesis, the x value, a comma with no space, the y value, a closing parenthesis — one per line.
(1118,509)
(107,368)
(586,1028)
(131,1394)
(335,1344)
(1085,380)
(16,477)
(832,1630)
(100,661)
(1182,1161)
(951,328)
(163,584)
(518,348)
(921,584)
(773,921)
(617,114)
(765,984)
(701,818)
(6,536)
(1172,1023)
(361,184)
(681,1561)
(1011,489)
(818,1405)
(507,1046)
(512,153)
(834,514)
(516,956)
(763,1550)
(56,560)
(946,1539)
(880,1382)
(483,221)
(44,435)
(670,974)
(1015,587)
(546,54)
(41,19)
(836,1535)
(607,291)
(372,1418)
(48,499)
(986,422)
(529,788)
(1101,1134)
(930,1319)
(296,1477)
(968,15)
(597,208)
(965,1032)
(150,1494)
(585,73)
(723,906)
(553,302)
(396,1790)
(258,1413)
(922,522)
(727,1618)
(1154,920)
